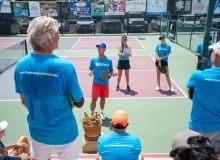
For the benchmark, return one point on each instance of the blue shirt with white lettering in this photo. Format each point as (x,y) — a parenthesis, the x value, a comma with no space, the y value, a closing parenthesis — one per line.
(98,65)
(163,50)
(119,146)
(205,114)
(123,58)
(199,49)
(47,81)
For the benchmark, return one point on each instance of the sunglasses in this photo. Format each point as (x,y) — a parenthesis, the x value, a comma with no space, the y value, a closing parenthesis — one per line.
(161,38)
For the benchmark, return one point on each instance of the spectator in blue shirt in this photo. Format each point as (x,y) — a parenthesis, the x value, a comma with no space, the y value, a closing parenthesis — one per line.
(119,145)
(203,87)
(45,83)
(199,50)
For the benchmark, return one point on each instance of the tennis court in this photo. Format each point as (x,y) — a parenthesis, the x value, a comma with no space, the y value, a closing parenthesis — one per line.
(155,117)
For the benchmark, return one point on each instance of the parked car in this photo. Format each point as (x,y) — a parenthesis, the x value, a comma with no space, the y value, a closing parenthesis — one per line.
(110,23)
(64,25)
(159,25)
(135,22)
(187,22)
(85,24)
(215,20)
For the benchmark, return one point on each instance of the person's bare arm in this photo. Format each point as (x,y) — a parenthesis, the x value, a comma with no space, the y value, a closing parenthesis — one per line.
(22,99)
(119,53)
(97,157)
(161,58)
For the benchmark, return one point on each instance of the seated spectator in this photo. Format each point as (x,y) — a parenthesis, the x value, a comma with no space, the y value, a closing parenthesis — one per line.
(190,145)
(112,145)
(21,148)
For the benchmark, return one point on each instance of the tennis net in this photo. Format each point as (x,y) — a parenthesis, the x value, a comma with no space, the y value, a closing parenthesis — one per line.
(9,56)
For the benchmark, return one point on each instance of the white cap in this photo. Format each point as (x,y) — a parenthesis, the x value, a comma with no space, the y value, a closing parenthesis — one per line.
(216,48)
(3,125)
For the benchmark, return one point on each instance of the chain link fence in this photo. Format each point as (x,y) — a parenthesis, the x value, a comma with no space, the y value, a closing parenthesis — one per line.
(185,34)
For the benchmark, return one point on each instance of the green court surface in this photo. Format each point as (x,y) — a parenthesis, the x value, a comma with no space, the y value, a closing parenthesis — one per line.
(154,119)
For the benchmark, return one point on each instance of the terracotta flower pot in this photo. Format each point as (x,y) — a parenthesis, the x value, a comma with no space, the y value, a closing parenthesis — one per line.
(92,133)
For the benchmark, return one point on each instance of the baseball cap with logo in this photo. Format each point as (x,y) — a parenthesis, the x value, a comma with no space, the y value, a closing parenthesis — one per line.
(101,44)
(3,125)
(181,139)
(216,48)
(120,117)
(124,37)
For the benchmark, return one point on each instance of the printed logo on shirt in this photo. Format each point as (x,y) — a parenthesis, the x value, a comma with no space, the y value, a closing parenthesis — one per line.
(164,49)
(101,64)
(39,73)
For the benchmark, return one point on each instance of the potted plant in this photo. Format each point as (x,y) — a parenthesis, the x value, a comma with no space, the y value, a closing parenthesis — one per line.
(92,126)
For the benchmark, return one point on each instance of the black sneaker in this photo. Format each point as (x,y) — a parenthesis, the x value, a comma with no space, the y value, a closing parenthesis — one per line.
(128,88)
(117,88)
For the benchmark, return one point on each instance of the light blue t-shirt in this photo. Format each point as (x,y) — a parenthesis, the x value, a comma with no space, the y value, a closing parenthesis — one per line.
(123,58)
(46,81)
(98,65)
(199,50)
(162,50)
(205,114)
(119,146)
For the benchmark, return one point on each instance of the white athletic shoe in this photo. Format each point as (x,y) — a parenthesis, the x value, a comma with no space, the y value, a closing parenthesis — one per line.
(171,89)
(157,88)
(102,115)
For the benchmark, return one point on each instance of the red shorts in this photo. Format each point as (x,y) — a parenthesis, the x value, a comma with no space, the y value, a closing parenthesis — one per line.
(99,90)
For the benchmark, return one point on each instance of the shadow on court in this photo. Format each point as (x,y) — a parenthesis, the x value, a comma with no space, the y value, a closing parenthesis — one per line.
(126,92)
(167,93)
(106,123)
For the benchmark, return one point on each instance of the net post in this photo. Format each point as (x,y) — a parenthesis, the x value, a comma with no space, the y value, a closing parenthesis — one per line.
(25,45)
(190,40)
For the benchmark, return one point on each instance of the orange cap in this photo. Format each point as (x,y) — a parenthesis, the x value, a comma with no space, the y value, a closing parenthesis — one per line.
(121,117)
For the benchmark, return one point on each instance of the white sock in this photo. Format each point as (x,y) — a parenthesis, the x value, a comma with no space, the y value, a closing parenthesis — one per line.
(101,110)
(92,112)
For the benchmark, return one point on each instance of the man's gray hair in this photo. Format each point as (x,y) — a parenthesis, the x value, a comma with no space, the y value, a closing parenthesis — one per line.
(40,30)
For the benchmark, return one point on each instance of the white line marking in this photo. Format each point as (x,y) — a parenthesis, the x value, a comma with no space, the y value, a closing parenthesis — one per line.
(118,98)
(75,43)
(139,43)
(7,43)
(173,81)
(64,57)
(108,56)
(150,70)
(78,50)
(12,57)
(105,42)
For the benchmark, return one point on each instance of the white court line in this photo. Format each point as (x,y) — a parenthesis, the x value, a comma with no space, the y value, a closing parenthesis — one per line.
(107,42)
(139,43)
(11,57)
(80,50)
(150,70)
(173,81)
(75,43)
(7,43)
(118,98)
(107,55)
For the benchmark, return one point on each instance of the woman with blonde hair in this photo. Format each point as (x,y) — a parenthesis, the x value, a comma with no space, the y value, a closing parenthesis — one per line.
(45,83)
(124,52)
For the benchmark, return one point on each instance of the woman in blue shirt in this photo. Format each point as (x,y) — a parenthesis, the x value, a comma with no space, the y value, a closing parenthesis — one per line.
(162,52)
(124,52)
